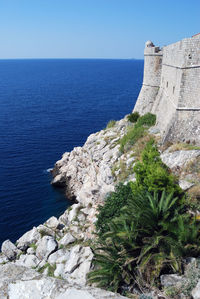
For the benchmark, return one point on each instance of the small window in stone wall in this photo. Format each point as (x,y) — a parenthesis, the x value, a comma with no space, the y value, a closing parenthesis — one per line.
(173,89)
(167,84)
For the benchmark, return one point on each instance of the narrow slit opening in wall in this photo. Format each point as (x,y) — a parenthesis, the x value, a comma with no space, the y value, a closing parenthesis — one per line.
(173,89)
(167,84)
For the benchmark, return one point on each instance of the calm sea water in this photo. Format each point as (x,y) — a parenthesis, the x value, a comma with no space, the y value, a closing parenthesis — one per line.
(46,108)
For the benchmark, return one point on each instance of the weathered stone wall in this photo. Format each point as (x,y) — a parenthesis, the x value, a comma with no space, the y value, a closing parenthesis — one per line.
(177,101)
(190,88)
(185,127)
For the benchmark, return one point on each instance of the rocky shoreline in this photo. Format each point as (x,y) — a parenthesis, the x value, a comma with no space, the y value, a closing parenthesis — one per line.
(53,259)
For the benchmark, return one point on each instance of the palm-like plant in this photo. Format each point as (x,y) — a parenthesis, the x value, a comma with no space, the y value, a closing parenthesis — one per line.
(151,235)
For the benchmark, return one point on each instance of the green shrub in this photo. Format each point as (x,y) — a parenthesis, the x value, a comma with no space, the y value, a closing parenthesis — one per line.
(133,117)
(147,119)
(112,206)
(133,134)
(138,131)
(111,124)
(152,174)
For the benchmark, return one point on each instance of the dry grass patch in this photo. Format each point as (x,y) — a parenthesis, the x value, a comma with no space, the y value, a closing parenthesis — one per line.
(183,146)
(140,145)
(194,192)
(193,167)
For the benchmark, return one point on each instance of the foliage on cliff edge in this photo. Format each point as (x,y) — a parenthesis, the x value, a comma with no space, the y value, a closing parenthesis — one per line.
(149,233)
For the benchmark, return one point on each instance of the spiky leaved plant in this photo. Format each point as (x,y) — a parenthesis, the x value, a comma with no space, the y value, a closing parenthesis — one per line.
(151,235)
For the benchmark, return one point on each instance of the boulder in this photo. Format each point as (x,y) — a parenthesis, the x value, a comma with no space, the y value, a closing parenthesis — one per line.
(179,158)
(196,291)
(52,223)
(29,260)
(185,185)
(28,238)
(30,250)
(67,239)
(64,217)
(47,287)
(59,272)
(60,256)
(10,273)
(45,247)
(169,280)
(43,230)
(74,259)
(3,259)
(9,250)
(80,274)
(59,180)
(73,212)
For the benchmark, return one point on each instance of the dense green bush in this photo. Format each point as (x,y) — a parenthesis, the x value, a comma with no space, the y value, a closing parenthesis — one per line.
(152,174)
(147,119)
(112,206)
(133,117)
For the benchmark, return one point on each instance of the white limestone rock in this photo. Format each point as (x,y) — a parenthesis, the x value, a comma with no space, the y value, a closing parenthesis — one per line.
(87,170)
(73,212)
(17,282)
(73,293)
(10,272)
(79,275)
(168,280)
(59,180)
(179,158)
(50,288)
(43,230)
(29,260)
(67,239)
(28,238)
(45,247)
(9,250)
(74,259)
(64,217)
(59,272)
(185,185)
(52,223)
(3,259)
(40,289)
(196,291)
(30,250)
(60,256)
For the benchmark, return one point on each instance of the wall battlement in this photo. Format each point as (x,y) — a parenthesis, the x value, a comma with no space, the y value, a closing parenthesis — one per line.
(171,88)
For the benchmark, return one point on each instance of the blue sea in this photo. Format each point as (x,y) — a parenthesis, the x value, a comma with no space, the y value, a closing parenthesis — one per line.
(46,108)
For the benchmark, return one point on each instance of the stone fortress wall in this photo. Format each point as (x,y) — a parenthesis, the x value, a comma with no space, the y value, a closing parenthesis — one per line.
(175,96)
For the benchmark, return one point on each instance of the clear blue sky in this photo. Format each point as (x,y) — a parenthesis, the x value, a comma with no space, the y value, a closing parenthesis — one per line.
(92,28)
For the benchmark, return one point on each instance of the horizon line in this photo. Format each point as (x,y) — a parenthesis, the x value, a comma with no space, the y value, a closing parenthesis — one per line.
(65,58)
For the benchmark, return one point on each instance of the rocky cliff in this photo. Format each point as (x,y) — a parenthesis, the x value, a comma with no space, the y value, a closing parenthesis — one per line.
(53,259)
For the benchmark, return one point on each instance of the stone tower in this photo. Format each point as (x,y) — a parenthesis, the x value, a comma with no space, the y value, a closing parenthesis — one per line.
(171,89)
(151,78)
